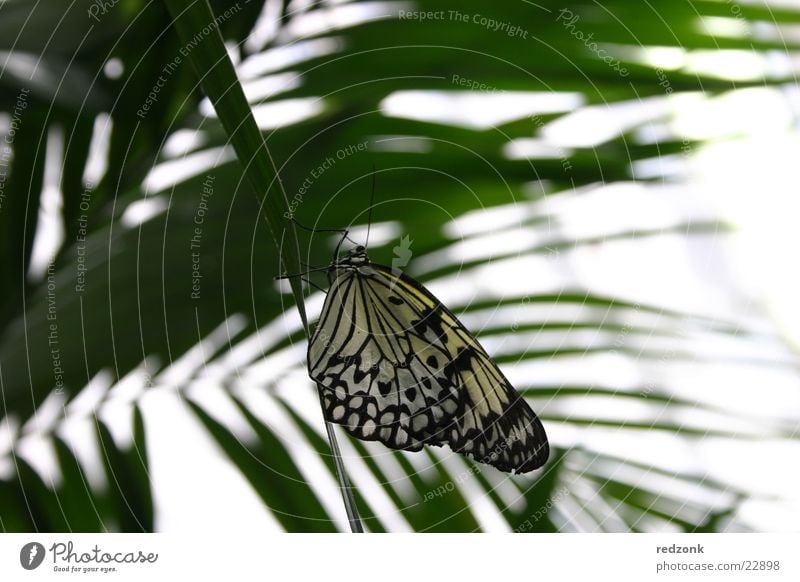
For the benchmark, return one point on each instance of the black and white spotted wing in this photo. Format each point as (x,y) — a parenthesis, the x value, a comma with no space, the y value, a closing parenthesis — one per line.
(394,365)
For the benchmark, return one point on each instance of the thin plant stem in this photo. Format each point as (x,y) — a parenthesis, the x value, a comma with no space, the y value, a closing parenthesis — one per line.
(344,482)
(219,81)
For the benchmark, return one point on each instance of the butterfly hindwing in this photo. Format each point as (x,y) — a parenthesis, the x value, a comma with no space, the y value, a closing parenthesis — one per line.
(395,365)
(497,426)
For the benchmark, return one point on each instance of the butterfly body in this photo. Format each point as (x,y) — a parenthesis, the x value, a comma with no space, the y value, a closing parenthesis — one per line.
(395,365)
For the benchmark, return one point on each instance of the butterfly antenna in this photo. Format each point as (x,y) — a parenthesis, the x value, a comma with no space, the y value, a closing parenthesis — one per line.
(371,204)
(344,238)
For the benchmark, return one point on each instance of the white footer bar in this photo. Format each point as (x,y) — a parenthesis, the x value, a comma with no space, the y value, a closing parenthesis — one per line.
(244,556)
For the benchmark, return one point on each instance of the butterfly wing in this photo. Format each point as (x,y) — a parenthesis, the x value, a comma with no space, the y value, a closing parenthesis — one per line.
(496,426)
(397,366)
(374,381)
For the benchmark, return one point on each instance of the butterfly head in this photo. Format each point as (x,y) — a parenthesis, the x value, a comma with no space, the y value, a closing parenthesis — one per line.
(355,257)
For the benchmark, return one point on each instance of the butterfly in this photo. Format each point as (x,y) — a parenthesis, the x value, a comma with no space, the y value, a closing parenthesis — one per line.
(394,365)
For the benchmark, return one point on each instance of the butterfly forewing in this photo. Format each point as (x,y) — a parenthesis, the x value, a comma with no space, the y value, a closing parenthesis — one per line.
(375,383)
(395,365)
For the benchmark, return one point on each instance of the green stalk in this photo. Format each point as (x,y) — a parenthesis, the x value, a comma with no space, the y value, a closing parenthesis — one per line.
(204,48)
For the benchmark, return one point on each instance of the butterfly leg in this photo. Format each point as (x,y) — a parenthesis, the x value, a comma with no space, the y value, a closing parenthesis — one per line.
(317,287)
